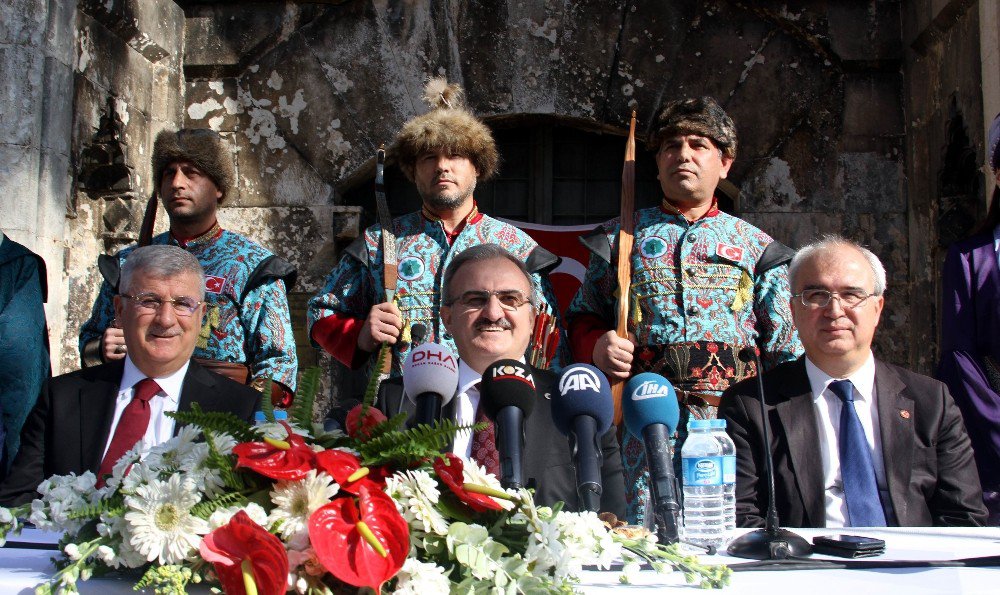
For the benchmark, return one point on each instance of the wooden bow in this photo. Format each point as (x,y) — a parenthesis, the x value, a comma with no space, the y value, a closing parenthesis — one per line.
(626,237)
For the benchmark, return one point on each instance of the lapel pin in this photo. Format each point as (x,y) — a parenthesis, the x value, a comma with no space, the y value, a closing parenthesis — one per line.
(904,414)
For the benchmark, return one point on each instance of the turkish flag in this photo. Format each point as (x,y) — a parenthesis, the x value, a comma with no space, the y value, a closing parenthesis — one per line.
(214,284)
(563,241)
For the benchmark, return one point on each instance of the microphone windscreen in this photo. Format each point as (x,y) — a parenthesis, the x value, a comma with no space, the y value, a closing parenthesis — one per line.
(418,332)
(583,390)
(649,399)
(507,383)
(430,368)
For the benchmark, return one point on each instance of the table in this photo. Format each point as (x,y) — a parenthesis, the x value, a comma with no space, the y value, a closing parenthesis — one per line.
(22,569)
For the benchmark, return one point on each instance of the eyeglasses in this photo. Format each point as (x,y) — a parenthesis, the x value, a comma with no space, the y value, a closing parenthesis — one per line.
(820,298)
(510,299)
(150,302)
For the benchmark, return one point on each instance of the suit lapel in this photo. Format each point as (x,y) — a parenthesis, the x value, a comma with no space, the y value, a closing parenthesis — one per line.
(97,411)
(794,408)
(895,413)
(197,388)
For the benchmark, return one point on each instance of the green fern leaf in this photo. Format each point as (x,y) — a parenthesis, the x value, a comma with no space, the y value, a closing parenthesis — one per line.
(305,398)
(410,446)
(266,406)
(216,421)
(205,509)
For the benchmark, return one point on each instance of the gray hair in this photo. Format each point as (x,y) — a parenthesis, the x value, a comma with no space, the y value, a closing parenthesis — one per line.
(831,241)
(160,261)
(480,253)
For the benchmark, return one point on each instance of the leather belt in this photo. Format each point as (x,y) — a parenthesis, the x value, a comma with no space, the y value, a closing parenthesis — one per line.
(685,397)
(234,371)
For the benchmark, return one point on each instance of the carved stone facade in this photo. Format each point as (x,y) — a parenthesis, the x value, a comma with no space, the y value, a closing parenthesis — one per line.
(862,118)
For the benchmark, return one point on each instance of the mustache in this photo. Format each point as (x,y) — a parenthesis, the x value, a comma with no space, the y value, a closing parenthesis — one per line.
(165,332)
(484,323)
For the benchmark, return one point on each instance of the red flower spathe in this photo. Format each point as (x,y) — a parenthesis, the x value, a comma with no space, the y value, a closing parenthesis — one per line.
(290,461)
(242,540)
(358,428)
(338,538)
(450,471)
(342,466)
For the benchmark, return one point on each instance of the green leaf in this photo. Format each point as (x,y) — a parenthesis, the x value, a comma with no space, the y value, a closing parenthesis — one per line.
(216,421)
(410,447)
(305,397)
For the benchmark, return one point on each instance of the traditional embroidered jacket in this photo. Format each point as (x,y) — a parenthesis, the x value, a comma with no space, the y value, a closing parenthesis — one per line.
(423,249)
(247,320)
(700,292)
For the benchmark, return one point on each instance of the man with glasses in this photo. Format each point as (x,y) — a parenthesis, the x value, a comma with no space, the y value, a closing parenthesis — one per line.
(444,152)
(857,442)
(247,331)
(489,306)
(86,420)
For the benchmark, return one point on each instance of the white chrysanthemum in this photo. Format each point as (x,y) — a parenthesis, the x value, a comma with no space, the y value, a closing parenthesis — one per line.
(585,540)
(295,501)
(169,456)
(61,495)
(222,516)
(224,443)
(472,472)
(421,578)
(277,431)
(416,495)
(160,520)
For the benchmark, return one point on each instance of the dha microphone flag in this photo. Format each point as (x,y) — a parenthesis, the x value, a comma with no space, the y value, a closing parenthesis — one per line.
(650,399)
(430,378)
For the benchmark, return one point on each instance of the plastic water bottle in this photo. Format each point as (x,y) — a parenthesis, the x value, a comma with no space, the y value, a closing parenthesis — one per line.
(728,474)
(279,415)
(701,463)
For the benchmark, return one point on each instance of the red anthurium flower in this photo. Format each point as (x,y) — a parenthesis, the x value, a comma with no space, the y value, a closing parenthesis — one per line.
(348,472)
(478,498)
(358,428)
(290,459)
(246,558)
(362,542)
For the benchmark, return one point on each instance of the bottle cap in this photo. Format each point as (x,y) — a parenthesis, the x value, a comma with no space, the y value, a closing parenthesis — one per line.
(700,424)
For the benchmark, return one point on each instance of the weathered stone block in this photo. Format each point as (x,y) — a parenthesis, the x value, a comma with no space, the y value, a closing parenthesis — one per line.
(22,103)
(871,183)
(22,22)
(865,31)
(56,117)
(219,38)
(19,187)
(212,104)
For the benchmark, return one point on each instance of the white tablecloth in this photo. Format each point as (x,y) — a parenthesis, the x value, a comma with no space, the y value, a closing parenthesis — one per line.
(22,569)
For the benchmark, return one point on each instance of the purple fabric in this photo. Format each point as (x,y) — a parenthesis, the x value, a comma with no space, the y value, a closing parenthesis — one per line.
(971,330)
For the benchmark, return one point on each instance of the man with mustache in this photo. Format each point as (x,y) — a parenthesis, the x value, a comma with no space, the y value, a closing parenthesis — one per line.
(444,153)
(88,419)
(856,442)
(704,284)
(247,333)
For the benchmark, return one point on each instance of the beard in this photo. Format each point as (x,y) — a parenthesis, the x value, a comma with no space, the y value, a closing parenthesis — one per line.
(448,200)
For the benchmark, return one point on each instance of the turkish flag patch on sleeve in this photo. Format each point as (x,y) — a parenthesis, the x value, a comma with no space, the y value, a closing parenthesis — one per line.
(732,253)
(215,284)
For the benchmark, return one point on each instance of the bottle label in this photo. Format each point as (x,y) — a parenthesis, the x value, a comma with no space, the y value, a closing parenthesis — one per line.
(729,469)
(702,471)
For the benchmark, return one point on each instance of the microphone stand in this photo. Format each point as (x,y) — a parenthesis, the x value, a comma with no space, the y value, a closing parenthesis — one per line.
(771,542)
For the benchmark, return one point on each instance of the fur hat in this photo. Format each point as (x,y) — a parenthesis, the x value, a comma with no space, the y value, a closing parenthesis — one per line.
(450,126)
(702,116)
(200,146)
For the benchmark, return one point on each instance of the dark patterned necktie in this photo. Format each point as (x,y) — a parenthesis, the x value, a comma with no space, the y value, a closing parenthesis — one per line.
(857,473)
(131,426)
(484,443)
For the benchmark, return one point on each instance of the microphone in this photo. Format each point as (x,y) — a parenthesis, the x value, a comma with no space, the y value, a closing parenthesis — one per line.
(583,410)
(771,542)
(649,404)
(418,334)
(430,378)
(507,395)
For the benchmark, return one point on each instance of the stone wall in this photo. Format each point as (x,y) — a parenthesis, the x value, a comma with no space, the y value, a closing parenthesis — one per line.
(846,112)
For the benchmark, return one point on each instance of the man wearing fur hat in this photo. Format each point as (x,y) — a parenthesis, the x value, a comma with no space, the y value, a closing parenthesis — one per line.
(444,153)
(705,285)
(247,331)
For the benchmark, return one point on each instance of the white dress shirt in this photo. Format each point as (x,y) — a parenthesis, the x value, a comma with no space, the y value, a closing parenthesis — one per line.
(827,406)
(996,243)
(466,405)
(161,427)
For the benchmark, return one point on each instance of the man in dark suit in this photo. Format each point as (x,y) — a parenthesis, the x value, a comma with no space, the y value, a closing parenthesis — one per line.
(86,420)
(855,441)
(488,307)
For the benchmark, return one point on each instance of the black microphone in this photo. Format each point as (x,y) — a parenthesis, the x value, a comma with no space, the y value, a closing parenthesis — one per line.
(771,542)
(418,334)
(507,395)
(430,378)
(583,410)
(649,405)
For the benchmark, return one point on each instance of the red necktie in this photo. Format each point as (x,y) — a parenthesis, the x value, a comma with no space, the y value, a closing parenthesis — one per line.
(484,444)
(131,426)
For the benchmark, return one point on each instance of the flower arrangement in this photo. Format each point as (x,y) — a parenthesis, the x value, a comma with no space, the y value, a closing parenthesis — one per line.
(272,508)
